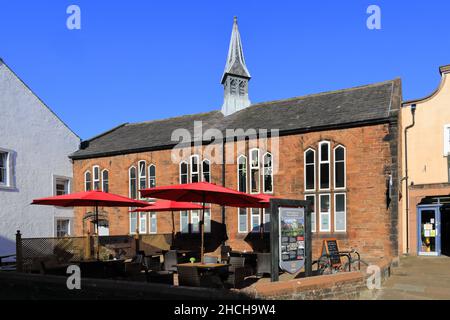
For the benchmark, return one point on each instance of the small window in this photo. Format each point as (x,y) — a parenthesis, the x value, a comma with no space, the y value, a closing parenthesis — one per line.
(152,176)
(340,212)
(62,228)
(142,175)
(207,222)
(254,171)
(87,181)
(233,86)
(195,168)
(242,220)
(61,186)
(268,173)
(256,219)
(183,172)
(339,167)
(96,174)
(324,216)
(310,170)
(184,222)
(195,221)
(324,165)
(446,140)
(242,87)
(142,222)
(133,183)
(105,180)
(266,220)
(4,168)
(133,222)
(242,173)
(153,222)
(312,198)
(206,167)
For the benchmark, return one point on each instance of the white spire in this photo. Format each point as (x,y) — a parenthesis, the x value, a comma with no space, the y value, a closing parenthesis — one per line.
(235,61)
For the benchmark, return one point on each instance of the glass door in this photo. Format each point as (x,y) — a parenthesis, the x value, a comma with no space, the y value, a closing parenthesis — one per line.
(429,233)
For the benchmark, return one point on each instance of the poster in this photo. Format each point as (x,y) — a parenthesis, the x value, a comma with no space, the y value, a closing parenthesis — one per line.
(292,239)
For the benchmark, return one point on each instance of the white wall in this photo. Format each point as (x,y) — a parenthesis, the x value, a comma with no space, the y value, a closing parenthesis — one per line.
(41,143)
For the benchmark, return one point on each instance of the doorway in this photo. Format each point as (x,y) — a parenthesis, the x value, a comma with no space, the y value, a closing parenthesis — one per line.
(445,230)
(428,227)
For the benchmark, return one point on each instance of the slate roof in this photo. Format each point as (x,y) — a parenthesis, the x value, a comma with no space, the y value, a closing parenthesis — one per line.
(373,103)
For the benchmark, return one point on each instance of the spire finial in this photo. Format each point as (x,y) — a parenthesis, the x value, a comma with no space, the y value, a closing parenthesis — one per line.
(235,19)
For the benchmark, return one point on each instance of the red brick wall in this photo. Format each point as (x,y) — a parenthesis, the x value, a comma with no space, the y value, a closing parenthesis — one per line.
(369,161)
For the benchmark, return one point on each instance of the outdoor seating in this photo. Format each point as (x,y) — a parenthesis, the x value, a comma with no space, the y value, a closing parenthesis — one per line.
(210,259)
(190,276)
(170,260)
(237,271)
(263,263)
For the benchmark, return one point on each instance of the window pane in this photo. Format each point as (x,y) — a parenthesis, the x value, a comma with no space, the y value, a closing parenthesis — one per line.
(310,157)
(324,152)
(313,212)
(3,167)
(153,222)
(183,173)
(143,222)
(105,181)
(340,215)
(206,171)
(340,202)
(266,220)
(195,219)
(184,222)
(324,175)
(324,213)
(207,224)
(324,203)
(62,228)
(339,154)
(133,187)
(268,173)
(254,179)
(242,174)
(242,220)
(87,181)
(255,220)
(133,222)
(339,175)
(310,177)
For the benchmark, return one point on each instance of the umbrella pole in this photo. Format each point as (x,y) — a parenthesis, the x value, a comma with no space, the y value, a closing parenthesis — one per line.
(202,249)
(96,223)
(173,229)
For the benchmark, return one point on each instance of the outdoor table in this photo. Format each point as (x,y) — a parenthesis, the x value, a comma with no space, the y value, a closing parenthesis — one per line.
(219,269)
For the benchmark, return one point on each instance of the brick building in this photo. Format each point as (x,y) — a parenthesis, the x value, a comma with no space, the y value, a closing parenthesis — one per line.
(337,149)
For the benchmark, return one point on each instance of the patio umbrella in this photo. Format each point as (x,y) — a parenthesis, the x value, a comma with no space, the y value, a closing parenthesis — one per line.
(169,205)
(203,192)
(90,199)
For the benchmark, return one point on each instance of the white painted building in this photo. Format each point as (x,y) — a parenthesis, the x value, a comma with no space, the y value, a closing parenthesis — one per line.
(34,163)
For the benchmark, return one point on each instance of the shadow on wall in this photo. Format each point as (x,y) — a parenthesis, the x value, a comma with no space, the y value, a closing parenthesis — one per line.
(7,247)
(192,240)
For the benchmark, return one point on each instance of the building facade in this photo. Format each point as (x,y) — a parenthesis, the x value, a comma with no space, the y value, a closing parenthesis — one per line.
(426,170)
(338,149)
(34,145)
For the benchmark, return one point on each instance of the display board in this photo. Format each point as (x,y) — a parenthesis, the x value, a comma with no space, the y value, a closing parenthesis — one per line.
(330,248)
(292,239)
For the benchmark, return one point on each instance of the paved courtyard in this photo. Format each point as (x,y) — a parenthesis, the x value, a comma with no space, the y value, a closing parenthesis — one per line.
(425,278)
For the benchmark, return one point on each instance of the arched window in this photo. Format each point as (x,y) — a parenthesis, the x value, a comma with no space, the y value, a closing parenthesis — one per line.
(206,171)
(242,174)
(268,173)
(339,168)
(310,170)
(254,171)
(96,174)
(105,181)
(152,176)
(324,165)
(142,175)
(183,172)
(132,182)
(195,168)
(87,181)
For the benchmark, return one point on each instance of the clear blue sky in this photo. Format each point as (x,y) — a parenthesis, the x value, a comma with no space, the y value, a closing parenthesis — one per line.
(140,60)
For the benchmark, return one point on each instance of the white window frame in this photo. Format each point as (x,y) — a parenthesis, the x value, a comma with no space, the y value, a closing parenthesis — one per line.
(137,221)
(198,213)
(103,179)
(69,233)
(187,171)
(336,212)
(150,177)
(255,168)
(239,220)
(446,140)
(141,174)
(85,180)
(314,212)
(304,169)
(264,172)
(258,216)
(324,162)
(187,220)
(135,182)
(324,213)
(207,214)
(246,173)
(67,180)
(345,167)
(8,169)
(142,222)
(203,171)
(94,180)
(152,215)
(191,167)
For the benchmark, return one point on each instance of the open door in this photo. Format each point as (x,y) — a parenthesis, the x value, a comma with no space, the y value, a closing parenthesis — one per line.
(429,231)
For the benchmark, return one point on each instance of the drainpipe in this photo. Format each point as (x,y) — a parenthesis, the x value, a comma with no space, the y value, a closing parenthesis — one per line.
(406,178)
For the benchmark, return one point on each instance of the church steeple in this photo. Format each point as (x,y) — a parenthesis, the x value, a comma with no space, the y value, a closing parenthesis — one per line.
(235,78)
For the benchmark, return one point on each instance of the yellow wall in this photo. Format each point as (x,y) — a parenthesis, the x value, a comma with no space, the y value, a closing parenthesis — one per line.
(426,161)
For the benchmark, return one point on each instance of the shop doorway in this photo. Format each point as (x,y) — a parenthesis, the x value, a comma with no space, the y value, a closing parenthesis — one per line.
(428,235)
(445,230)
